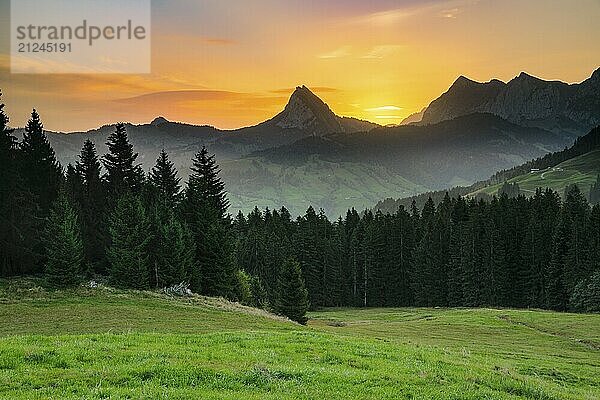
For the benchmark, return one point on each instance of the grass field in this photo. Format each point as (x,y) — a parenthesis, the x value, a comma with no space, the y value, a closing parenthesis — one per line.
(333,186)
(582,170)
(104,343)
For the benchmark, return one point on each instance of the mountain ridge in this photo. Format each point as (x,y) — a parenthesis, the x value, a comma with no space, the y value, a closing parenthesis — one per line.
(526,100)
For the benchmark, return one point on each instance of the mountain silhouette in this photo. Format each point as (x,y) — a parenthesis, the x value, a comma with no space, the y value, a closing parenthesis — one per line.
(525,100)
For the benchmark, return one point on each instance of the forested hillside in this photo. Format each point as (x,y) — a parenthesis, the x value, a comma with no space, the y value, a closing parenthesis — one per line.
(104,217)
(582,146)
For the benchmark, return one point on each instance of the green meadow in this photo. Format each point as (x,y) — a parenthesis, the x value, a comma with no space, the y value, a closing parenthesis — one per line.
(104,343)
(582,171)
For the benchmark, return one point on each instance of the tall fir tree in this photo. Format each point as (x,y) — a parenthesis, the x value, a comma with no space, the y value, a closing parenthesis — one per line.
(171,248)
(578,263)
(62,243)
(74,186)
(18,208)
(555,288)
(205,185)
(41,170)
(164,179)
(93,208)
(205,211)
(293,296)
(122,173)
(128,250)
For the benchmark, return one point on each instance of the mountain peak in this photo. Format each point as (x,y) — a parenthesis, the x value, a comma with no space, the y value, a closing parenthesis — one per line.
(462,81)
(525,77)
(159,120)
(307,111)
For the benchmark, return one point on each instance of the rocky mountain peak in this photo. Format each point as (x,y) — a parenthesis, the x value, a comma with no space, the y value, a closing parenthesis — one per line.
(307,111)
(462,81)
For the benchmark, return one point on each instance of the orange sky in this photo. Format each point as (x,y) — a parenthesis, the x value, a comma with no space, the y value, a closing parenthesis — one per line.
(232,63)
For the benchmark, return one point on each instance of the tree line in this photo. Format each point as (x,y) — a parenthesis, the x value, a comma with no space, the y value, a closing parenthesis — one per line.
(105,217)
(510,252)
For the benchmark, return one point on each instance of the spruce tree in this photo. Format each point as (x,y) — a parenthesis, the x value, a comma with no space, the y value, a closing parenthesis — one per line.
(293,296)
(41,171)
(171,250)
(62,243)
(74,186)
(205,185)
(15,216)
(93,207)
(164,178)
(555,289)
(128,250)
(204,209)
(577,263)
(122,173)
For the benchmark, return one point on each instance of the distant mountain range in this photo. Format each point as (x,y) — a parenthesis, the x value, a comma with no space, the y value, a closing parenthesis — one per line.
(578,164)
(307,155)
(524,100)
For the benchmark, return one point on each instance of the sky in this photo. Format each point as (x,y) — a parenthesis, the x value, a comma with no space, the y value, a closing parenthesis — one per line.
(234,63)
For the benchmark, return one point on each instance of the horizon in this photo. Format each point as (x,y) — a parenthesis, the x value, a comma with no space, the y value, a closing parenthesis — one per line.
(315,91)
(233,67)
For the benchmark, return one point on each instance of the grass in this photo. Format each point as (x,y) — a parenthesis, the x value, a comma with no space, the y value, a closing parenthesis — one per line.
(105,343)
(582,170)
(335,187)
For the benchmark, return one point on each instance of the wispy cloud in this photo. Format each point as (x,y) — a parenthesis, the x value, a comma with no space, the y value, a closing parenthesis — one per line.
(450,13)
(384,108)
(443,8)
(382,51)
(343,51)
(219,41)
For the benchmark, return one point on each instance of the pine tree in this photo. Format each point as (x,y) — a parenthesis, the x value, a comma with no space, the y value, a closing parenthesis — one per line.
(62,242)
(204,209)
(554,277)
(205,185)
(41,171)
(122,173)
(15,216)
(172,248)
(293,296)
(93,207)
(74,186)
(164,178)
(586,296)
(309,255)
(216,261)
(577,262)
(128,250)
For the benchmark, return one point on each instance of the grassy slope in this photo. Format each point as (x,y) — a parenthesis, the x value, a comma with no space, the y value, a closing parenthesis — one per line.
(581,170)
(335,187)
(114,344)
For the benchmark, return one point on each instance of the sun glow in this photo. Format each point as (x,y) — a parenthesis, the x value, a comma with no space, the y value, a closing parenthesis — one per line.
(380,60)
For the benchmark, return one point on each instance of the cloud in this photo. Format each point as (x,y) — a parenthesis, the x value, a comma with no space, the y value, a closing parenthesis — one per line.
(450,13)
(219,41)
(384,108)
(343,51)
(443,8)
(219,100)
(382,51)
(388,117)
